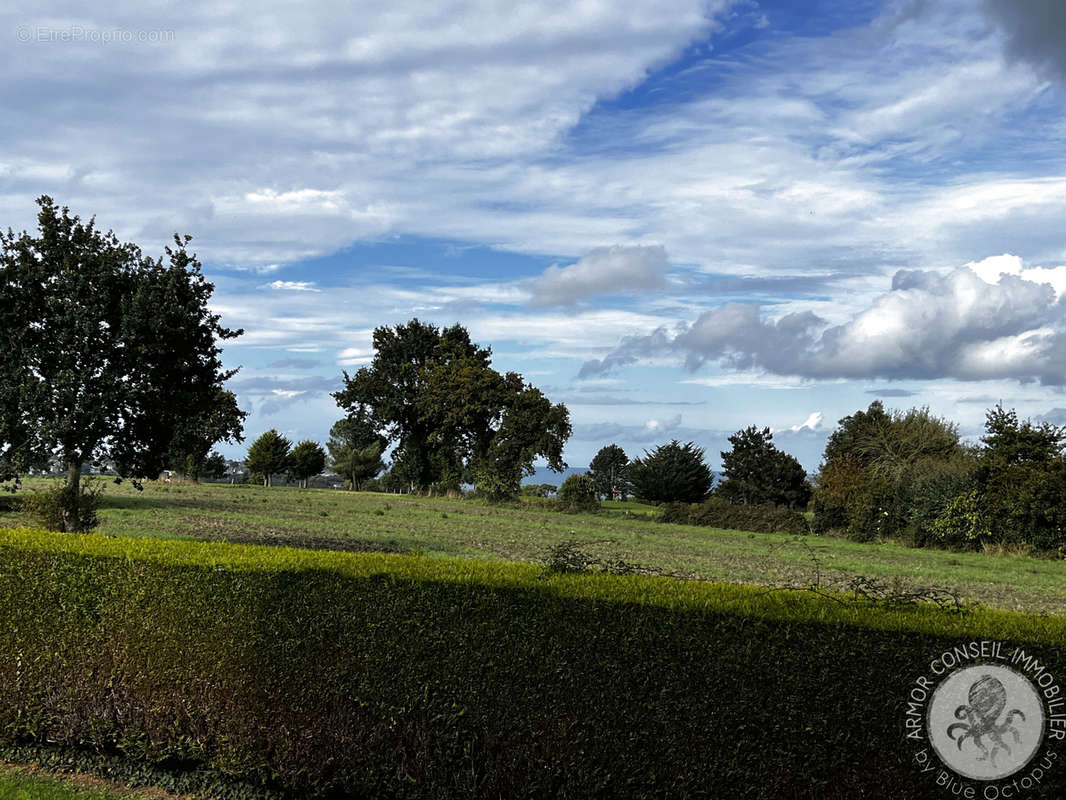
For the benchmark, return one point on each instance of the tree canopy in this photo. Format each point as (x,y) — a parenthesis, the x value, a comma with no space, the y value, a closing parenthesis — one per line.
(450,416)
(756,472)
(608,471)
(306,460)
(195,436)
(1008,442)
(888,474)
(268,455)
(355,449)
(671,473)
(108,354)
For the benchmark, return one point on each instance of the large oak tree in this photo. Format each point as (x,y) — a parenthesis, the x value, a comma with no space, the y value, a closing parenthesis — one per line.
(451,417)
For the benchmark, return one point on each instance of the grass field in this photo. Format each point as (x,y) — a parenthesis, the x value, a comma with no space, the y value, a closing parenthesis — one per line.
(24,783)
(443,527)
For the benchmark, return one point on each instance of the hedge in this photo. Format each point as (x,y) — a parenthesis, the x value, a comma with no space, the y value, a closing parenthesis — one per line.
(294,673)
(719,513)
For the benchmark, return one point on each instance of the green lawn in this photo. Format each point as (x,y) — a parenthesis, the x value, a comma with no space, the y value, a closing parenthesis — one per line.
(524,532)
(18,783)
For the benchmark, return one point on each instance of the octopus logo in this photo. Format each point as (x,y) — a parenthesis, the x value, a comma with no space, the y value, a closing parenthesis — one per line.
(986,721)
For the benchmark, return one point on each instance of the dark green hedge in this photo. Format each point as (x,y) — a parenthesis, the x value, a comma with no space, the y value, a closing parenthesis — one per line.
(371,675)
(718,513)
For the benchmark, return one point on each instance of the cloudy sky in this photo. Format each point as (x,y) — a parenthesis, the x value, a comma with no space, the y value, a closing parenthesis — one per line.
(679,218)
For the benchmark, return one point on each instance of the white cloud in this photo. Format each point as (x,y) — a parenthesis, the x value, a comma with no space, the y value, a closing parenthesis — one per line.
(812,423)
(658,427)
(292,286)
(928,326)
(603,271)
(354,356)
(362,121)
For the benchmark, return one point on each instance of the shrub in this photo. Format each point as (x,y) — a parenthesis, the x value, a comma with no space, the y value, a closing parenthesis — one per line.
(578,493)
(718,513)
(64,508)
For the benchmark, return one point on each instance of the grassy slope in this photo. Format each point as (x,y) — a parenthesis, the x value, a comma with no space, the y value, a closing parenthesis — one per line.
(464,528)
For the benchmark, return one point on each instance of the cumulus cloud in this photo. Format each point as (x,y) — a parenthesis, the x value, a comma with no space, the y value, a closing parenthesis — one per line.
(659,427)
(812,423)
(929,325)
(603,271)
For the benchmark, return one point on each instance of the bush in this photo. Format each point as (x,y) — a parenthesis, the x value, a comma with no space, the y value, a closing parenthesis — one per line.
(63,508)
(325,674)
(578,493)
(9,501)
(718,513)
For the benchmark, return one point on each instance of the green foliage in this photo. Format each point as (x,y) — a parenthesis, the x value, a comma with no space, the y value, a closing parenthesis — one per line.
(671,473)
(608,472)
(306,460)
(268,455)
(881,472)
(191,445)
(63,507)
(215,466)
(962,521)
(756,472)
(355,448)
(578,493)
(359,465)
(451,416)
(312,674)
(108,354)
(719,513)
(1009,442)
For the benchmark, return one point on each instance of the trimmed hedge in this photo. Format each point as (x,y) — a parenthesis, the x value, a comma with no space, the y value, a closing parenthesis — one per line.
(718,513)
(348,675)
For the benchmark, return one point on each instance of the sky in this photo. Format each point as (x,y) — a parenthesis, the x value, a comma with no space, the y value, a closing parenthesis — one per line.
(678,218)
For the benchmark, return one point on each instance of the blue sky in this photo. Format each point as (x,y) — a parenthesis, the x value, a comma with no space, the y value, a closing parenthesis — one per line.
(679,218)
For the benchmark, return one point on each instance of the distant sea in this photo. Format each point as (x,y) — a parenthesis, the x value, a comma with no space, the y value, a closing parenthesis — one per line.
(545,475)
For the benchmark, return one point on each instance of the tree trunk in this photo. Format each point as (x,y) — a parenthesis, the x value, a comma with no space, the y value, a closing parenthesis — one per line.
(70,513)
(74,475)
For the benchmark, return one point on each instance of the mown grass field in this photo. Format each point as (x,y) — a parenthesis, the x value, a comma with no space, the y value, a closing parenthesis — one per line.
(25,783)
(440,527)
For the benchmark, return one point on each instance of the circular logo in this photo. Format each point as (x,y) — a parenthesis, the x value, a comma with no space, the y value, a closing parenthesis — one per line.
(985,721)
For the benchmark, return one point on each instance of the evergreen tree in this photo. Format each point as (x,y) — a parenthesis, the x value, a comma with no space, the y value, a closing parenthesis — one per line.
(756,472)
(306,460)
(359,464)
(608,472)
(670,473)
(268,455)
